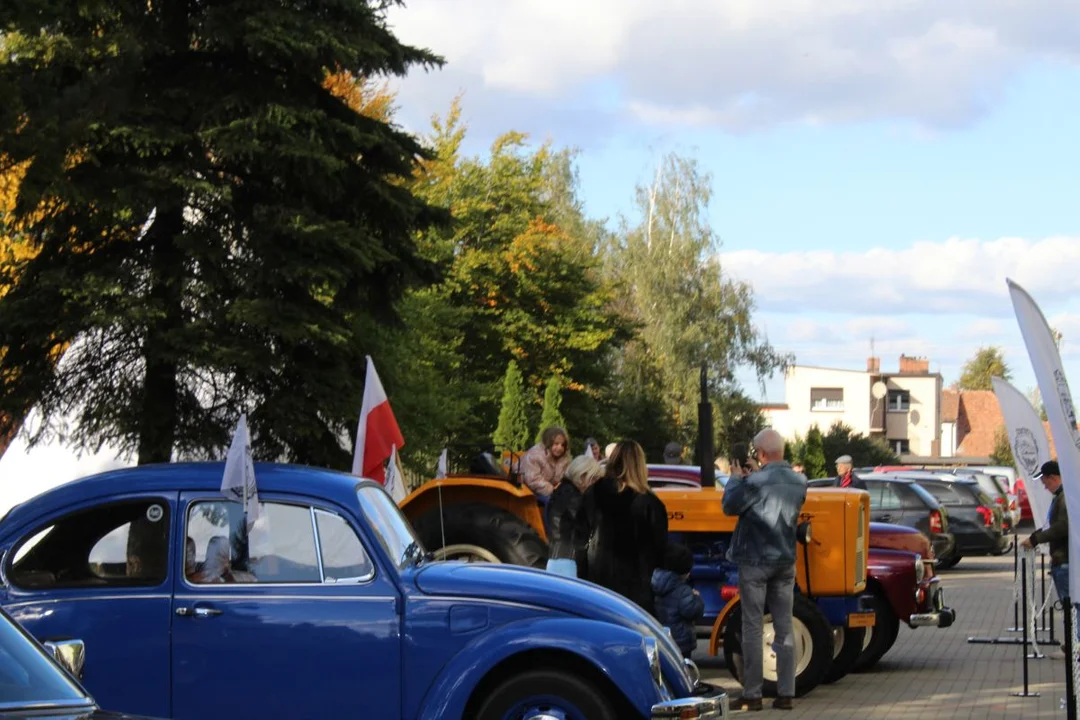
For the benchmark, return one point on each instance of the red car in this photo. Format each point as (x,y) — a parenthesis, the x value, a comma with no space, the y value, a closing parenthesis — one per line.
(900,576)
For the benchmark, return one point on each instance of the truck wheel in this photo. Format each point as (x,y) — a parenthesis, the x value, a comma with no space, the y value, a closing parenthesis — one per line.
(880,637)
(847,646)
(813,647)
(546,694)
(482,533)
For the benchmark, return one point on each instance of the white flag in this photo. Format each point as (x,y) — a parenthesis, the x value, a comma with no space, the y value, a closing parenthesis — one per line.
(395,483)
(1054,388)
(1029,443)
(440,472)
(238,482)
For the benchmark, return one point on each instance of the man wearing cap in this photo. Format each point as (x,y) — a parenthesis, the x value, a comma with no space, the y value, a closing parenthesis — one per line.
(673,453)
(845,476)
(1057,529)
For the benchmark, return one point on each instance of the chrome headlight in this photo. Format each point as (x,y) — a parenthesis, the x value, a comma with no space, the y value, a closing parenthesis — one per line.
(652,652)
(920,569)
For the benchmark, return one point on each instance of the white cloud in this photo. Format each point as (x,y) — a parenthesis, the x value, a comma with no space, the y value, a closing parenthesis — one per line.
(742,63)
(954,276)
(982,329)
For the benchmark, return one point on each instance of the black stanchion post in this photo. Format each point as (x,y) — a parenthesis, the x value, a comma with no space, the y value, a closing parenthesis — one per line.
(1070,661)
(1016,609)
(1024,628)
(1043,596)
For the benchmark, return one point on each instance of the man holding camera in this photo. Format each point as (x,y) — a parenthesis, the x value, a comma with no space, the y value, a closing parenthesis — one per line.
(768,502)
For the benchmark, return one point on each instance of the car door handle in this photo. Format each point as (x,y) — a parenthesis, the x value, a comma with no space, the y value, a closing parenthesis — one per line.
(201,612)
(884,518)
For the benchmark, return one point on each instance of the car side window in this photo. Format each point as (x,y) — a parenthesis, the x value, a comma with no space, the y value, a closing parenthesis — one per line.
(890,499)
(113,545)
(945,494)
(343,555)
(280,550)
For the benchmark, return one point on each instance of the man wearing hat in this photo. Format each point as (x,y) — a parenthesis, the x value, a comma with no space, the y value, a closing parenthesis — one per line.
(845,476)
(673,453)
(1057,528)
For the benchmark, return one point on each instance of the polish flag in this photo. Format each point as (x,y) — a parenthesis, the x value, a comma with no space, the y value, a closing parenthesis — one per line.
(377,434)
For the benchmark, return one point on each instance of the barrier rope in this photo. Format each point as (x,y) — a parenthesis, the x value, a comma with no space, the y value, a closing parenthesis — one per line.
(1036,608)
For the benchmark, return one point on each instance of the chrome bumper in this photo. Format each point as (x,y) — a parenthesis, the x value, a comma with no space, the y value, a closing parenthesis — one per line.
(711,705)
(941,617)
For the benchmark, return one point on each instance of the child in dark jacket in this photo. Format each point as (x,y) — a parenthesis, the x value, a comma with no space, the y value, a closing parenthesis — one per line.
(678,606)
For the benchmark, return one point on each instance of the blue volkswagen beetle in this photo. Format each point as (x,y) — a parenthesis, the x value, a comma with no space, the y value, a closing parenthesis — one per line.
(328,607)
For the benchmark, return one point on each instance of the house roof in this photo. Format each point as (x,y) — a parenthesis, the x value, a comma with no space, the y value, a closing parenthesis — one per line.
(950,405)
(978,421)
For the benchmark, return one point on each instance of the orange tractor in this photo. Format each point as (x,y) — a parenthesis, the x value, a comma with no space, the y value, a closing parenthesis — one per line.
(486,515)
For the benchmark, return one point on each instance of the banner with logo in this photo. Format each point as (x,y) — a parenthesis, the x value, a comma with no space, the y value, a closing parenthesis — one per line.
(1046,361)
(1030,446)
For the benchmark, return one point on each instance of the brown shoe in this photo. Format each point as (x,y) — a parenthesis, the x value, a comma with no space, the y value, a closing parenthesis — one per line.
(753,704)
(783,703)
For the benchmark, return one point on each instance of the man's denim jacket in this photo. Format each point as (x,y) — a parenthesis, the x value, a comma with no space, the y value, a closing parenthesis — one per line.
(768,503)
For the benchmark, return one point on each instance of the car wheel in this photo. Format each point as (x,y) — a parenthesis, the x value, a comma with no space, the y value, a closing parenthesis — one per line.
(847,646)
(813,647)
(482,533)
(949,562)
(880,637)
(546,694)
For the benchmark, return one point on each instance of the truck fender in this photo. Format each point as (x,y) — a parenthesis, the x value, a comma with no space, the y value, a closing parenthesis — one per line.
(716,639)
(616,652)
(894,576)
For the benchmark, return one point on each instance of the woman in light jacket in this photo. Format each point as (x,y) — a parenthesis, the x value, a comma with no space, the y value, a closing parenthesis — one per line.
(543,466)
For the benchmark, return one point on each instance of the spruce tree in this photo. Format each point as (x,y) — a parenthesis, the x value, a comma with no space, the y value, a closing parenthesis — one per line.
(813,454)
(552,416)
(513,430)
(212,229)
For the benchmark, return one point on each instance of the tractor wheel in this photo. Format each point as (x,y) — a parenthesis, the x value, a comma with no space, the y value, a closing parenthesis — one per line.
(813,647)
(881,636)
(847,646)
(481,533)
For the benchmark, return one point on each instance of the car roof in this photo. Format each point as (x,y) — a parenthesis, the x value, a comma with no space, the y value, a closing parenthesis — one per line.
(185,477)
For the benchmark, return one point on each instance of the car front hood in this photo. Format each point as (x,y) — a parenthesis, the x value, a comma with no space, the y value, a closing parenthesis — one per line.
(527,586)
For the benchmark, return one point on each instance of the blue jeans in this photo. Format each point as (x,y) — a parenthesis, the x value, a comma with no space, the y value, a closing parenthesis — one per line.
(1060,575)
(772,585)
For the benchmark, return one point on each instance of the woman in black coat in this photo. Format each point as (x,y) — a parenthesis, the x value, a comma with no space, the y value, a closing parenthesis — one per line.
(566,536)
(627,527)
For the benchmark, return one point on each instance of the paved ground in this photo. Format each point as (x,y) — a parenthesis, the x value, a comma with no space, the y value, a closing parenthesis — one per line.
(936,674)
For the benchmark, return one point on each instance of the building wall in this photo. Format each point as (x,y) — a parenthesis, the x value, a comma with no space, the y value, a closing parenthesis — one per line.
(798,387)
(920,424)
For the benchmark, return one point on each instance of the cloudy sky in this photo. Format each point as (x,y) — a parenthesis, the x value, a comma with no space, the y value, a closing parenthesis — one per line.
(879,168)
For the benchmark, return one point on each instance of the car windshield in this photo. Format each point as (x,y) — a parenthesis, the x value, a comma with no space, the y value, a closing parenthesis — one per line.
(28,678)
(393,530)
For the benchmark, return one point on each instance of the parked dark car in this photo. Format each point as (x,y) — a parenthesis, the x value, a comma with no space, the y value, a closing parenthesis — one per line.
(996,488)
(39,681)
(899,501)
(974,519)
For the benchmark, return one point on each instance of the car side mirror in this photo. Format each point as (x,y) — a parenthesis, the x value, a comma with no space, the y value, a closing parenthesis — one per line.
(70,654)
(802,532)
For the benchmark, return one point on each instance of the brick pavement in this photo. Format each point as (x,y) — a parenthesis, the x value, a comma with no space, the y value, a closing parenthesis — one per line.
(935,674)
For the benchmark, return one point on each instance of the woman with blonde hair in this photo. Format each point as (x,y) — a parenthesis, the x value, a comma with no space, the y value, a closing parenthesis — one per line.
(566,542)
(627,527)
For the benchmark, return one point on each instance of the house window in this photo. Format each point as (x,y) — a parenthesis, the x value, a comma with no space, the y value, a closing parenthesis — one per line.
(899,401)
(827,399)
(900,447)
